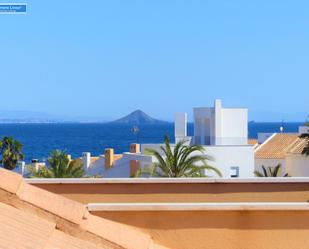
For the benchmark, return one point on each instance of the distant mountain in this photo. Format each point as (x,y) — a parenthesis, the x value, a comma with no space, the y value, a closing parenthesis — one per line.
(138,117)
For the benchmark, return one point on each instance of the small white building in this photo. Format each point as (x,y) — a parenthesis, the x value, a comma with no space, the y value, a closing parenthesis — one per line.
(22,168)
(112,165)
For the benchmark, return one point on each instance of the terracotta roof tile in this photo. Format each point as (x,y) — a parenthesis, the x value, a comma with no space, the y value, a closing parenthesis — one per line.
(276,147)
(22,230)
(70,210)
(117,232)
(156,246)
(298,146)
(8,181)
(59,239)
(37,219)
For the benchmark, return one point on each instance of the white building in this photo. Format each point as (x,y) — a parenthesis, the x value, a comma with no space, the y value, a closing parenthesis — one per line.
(217,126)
(223,132)
(285,149)
(112,165)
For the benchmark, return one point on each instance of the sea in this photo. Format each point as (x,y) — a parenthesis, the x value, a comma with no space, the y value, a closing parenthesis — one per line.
(75,138)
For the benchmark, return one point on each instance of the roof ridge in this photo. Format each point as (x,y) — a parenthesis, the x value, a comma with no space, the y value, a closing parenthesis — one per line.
(265,142)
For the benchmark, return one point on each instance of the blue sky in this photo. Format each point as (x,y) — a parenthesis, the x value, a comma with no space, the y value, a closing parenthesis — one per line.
(107,58)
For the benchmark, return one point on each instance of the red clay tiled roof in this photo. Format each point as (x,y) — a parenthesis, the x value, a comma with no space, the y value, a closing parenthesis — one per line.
(280,145)
(32,218)
(298,146)
(277,146)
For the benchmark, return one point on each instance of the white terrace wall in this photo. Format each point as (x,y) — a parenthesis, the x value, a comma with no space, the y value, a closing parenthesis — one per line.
(297,165)
(226,157)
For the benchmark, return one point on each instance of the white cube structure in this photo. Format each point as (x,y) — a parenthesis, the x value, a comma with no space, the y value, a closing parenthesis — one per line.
(86,157)
(220,126)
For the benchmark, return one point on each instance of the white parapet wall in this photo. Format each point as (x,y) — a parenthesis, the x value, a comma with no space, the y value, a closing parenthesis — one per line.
(297,165)
(202,206)
(164,180)
(232,161)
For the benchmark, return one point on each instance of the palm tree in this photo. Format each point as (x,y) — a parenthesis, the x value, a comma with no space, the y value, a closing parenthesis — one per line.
(60,166)
(306,148)
(269,172)
(10,150)
(178,162)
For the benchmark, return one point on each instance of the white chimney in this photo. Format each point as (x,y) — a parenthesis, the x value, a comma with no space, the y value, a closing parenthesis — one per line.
(218,103)
(21,167)
(180,126)
(86,160)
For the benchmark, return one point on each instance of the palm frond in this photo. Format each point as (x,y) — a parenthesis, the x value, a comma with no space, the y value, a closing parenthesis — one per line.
(264,171)
(276,170)
(11,152)
(59,166)
(273,172)
(305,150)
(258,174)
(304,135)
(179,161)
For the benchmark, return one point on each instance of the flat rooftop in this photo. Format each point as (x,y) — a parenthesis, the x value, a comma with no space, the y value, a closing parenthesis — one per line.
(180,190)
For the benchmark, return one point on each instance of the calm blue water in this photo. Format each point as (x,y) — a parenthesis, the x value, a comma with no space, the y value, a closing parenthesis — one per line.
(40,139)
